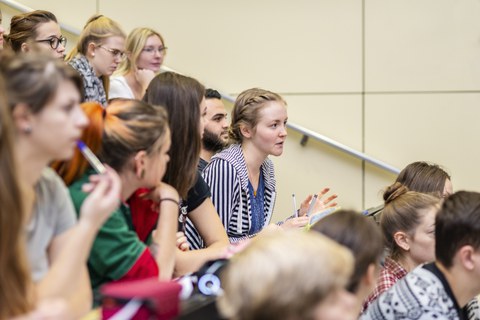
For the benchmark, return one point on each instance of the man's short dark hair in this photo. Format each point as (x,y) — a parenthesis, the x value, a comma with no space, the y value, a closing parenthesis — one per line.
(212,94)
(457,224)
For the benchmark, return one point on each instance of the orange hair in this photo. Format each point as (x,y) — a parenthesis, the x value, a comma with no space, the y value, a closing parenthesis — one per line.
(74,168)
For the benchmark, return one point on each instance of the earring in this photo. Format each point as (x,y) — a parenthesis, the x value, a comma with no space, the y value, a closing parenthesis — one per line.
(27,130)
(142,174)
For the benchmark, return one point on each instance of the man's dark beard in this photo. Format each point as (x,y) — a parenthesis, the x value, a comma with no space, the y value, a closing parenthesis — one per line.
(212,142)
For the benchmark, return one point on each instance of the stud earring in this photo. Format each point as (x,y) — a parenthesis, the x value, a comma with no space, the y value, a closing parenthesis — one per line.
(27,130)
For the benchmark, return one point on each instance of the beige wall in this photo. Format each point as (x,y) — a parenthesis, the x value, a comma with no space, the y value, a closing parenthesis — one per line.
(397,79)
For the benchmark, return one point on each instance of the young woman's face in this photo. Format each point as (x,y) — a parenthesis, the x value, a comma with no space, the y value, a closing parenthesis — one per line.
(422,243)
(107,56)
(57,127)
(47,31)
(152,54)
(158,161)
(338,305)
(271,132)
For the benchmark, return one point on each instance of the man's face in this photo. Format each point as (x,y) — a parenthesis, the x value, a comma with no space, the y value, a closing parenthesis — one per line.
(216,127)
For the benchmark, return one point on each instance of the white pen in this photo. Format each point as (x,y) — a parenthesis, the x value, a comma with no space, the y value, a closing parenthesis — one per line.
(295,212)
(91,158)
(312,203)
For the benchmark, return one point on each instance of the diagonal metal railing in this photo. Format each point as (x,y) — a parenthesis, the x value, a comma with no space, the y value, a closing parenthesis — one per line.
(307,133)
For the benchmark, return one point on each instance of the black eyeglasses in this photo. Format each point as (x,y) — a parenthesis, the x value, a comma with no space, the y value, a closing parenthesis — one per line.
(115,52)
(55,42)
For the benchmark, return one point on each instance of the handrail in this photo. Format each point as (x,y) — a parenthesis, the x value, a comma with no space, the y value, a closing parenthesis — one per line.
(307,133)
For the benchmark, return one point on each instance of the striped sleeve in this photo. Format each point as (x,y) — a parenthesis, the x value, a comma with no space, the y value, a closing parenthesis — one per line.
(221,177)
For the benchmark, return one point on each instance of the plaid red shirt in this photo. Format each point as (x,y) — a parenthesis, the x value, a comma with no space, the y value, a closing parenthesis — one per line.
(392,272)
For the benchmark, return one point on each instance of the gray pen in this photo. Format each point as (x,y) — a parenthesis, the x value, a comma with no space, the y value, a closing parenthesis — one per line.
(312,203)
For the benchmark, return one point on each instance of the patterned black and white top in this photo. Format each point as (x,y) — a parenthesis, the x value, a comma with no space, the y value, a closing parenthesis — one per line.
(423,294)
(227,176)
(92,85)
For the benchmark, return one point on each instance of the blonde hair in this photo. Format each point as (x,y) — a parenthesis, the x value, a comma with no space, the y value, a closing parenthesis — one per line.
(134,45)
(246,110)
(97,29)
(283,275)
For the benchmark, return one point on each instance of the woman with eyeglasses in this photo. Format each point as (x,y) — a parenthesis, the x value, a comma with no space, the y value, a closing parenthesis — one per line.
(99,51)
(145,53)
(38,29)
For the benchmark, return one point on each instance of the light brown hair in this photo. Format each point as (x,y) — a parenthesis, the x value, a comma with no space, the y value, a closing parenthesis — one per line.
(16,289)
(246,110)
(283,275)
(23,27)
(359,234)
(404,211)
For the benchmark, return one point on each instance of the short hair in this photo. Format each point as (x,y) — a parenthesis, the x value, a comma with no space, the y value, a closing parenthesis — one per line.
(134,45)
(34,79)
(359,234)
(246,110)
(212,94)
(283,275)
(457,224)
(23,27)
(403,211)
(423,177)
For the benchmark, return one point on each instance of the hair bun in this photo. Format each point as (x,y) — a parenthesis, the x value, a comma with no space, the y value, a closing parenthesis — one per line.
(394,191)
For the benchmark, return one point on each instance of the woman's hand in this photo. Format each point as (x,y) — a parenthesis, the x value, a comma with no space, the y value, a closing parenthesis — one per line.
(163,191)
(144,76)
(182,242)
(295,223)
(104,197)
(320,204)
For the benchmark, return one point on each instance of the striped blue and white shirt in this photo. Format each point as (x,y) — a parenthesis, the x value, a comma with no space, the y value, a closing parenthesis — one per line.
(227,176)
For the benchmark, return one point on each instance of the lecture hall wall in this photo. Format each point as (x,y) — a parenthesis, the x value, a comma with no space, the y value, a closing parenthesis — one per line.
(396,79)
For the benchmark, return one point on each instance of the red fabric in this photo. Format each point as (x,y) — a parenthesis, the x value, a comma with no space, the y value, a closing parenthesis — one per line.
(144,267)
(390,274)
(144,214)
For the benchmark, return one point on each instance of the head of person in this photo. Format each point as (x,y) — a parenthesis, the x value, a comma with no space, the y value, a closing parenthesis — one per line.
(183,97)
(457,233)
(16,288)
(145,49)
(259,117)
(2,30)
(426,177)
(44,98)
(102,42)
(130,136)
(215,134)
(35,30)
(408,224)
(364,239)
(288,275)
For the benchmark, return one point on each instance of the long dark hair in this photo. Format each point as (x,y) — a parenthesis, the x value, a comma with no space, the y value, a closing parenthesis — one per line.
(181,96)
